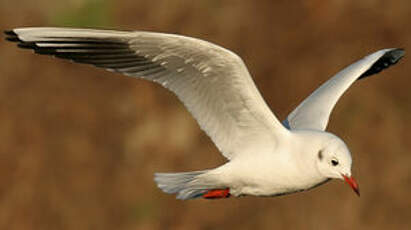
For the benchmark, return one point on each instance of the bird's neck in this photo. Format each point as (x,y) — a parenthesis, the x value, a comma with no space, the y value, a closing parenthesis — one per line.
(305,154)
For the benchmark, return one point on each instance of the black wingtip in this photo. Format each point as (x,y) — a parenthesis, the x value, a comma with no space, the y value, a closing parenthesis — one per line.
(395,55)
(27,45)
(390,58)
(12,39)
(11,36)
(10,33)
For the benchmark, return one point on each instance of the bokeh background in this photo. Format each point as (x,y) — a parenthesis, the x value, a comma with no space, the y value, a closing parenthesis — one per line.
(79,146)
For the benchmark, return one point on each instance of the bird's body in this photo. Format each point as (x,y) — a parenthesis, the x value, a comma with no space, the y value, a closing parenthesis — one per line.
(281,169)
(265,157)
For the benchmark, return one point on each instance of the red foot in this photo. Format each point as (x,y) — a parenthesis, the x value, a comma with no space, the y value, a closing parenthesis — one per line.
(217,193)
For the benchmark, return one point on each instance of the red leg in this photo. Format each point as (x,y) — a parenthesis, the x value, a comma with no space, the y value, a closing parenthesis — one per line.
(217,193)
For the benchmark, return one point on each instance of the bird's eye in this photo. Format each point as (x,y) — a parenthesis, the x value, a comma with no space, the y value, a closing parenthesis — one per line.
(334,162)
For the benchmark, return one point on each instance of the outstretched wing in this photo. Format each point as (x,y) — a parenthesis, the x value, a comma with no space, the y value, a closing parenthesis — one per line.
(315,110)
(212,82)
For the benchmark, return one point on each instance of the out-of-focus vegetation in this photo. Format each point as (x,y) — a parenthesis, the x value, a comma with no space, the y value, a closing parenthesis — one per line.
(82,13)
(79,145)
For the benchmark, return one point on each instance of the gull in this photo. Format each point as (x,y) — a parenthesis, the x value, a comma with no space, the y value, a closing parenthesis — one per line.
(265,157)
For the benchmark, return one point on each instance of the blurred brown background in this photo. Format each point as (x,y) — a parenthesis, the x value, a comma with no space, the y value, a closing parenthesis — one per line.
(79,146)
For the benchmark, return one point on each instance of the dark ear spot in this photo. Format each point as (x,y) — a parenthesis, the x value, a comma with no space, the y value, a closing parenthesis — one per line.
(320,154)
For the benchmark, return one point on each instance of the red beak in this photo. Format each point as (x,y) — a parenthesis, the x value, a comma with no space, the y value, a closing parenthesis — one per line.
(352,183)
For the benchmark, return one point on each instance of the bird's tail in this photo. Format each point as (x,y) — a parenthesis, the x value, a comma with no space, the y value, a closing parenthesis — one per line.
(188,185)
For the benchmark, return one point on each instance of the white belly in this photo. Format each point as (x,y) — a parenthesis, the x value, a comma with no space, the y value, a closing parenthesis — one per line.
(262,177)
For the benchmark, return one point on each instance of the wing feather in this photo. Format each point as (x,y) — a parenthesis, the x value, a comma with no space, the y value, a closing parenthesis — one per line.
(212,82)
(315,110)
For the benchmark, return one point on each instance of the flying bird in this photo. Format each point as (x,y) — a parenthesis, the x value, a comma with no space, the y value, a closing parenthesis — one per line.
(265,157)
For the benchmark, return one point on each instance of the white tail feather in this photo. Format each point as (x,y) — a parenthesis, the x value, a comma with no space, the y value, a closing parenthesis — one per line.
(185,184)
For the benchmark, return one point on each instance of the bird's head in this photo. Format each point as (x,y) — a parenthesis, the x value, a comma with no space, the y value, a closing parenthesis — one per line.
(334,161)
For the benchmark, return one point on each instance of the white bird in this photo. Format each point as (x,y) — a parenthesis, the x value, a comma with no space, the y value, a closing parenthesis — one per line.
(265,157)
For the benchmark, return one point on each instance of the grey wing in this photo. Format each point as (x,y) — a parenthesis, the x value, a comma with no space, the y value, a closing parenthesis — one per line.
(212,82)
(314,111)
